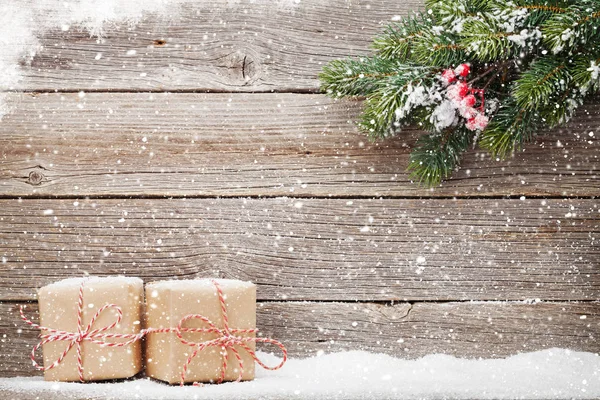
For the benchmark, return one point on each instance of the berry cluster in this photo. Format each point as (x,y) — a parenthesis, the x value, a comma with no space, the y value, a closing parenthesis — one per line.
(463,97)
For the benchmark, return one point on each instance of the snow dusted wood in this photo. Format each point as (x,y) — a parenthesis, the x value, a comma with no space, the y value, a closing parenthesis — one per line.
(124,144)
(150,146)
(202,45)
(57,395)
(313,249)
(488,330)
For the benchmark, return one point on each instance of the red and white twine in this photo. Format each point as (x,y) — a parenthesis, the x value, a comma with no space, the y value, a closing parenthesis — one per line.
(227,338)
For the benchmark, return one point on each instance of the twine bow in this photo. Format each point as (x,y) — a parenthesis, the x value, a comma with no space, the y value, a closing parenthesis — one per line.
(226,338)
(75,339)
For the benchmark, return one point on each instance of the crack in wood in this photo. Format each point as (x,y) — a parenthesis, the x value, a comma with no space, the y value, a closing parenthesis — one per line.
(244,68)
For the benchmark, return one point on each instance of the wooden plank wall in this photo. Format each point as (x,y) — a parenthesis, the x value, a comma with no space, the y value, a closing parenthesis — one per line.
(210,153)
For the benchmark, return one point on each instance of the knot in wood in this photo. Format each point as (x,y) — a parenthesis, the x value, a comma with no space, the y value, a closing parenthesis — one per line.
(35,178)
(242,66)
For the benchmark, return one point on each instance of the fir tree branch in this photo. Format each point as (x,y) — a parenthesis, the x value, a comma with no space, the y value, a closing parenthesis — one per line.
(457,9)
(379,115)
(513,77)
(437,155)
(439,48)
(586,74)
(485,42)
(359,77)
(562,110)
(541,12)
(536,87)
(548,7)
(542,7)
(509,129)
(579,25)
(392,104)
(397,39)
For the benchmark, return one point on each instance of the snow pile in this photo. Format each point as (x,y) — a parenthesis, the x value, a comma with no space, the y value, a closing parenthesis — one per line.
(183,284)
(510,18)
(107,280)
(444,115)
(92,15)
(526,36)
(22,22)
(417,96)
(595,70)
(547,374)
(17,43)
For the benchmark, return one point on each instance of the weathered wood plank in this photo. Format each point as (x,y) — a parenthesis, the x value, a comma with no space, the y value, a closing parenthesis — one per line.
(11,394)
(488,330)
(255,145)
(313,249)
(208,45)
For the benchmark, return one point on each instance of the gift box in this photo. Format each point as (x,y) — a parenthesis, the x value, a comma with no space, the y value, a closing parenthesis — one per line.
(90,328)
(200,330)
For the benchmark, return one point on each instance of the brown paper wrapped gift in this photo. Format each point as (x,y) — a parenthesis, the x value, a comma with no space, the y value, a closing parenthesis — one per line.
(59,310)
(169,303)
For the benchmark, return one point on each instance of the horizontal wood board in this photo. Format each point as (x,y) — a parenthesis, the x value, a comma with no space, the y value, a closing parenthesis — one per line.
(202,45)
(305,254)
(313,249)
(11,394)
(468,330)
(152,144)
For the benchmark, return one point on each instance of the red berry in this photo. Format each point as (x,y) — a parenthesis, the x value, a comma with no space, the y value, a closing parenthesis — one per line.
(469,101)
(457,92)
(463,70)
(448,76)
(462,89)
(471,124)
(481,121)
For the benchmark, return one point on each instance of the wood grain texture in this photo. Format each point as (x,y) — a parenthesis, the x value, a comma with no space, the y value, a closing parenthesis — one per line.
(207,45)
(255,145)
(11,394)
(468,330)
(313,249)
(326,243)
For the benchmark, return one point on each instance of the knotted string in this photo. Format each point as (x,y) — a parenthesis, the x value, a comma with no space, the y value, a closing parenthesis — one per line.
(226,338)
(75,339)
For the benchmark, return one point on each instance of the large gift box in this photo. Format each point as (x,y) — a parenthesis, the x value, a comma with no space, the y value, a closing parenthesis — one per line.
(81,339)
(198,330)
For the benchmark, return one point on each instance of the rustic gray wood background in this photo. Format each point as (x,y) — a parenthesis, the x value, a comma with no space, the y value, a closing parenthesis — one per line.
(215,155)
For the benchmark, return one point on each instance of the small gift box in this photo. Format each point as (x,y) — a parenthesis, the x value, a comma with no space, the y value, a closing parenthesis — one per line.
(90,328)
(197,331)
(202,330)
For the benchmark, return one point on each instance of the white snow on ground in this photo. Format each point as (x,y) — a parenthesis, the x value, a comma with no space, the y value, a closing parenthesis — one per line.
(547,374)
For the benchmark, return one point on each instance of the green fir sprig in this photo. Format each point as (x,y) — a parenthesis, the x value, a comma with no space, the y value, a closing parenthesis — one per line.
(487,72)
